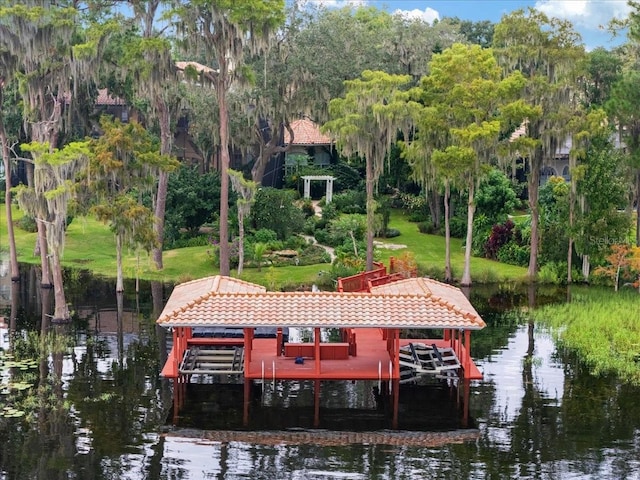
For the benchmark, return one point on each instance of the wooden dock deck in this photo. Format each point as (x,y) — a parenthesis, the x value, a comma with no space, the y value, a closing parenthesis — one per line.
(372,361)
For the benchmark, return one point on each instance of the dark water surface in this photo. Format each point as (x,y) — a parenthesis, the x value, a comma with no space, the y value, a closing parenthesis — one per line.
(99,410)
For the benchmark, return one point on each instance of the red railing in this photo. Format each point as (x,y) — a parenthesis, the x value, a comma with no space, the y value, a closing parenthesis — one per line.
(359,282)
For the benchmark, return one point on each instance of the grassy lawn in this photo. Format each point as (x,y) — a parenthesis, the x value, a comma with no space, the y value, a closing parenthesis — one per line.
(90,245)
(428,251)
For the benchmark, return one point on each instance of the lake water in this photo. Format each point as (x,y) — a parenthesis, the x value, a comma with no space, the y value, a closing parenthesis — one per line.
(101,411)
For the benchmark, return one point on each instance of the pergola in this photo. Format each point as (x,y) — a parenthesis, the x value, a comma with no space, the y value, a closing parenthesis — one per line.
(326,178)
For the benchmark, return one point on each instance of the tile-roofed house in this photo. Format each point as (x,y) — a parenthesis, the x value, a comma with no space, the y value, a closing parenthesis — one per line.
(306,132)
(308,146)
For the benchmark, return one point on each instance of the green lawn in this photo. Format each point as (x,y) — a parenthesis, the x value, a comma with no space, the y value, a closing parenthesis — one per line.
(428,251)
(90,245)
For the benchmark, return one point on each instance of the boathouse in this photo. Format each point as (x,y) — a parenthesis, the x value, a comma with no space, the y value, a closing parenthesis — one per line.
(371,311)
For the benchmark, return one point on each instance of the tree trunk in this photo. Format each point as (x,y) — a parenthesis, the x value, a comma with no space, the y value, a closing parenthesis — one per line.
(572,213)
(163,180)
(268,150)
(471,208)
(224,170)
(370,213)
(119,274)
(241,243)
(638,208)
(41,240)
(586,267)
(534,180)
(6,158)
(434,207)
(61,310)
(447,234)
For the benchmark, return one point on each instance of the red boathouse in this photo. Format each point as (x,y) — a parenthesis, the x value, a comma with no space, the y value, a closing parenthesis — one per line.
(370,309)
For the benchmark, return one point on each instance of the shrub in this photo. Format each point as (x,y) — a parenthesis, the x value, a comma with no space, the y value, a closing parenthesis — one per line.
(265,235)
(416,217)
(458,227)
(28,224)
(501,234)
(309,227)
(514,254)
(322,236)
(391,233)
(350,201)
(414,203)
(307,208)
(347,249)
(427,227)
(482,226)
(553,272)
(295,242)
(275,210)
(187,241)
(347,226)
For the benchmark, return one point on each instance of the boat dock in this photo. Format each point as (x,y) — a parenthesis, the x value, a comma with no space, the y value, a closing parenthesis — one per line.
(371,311)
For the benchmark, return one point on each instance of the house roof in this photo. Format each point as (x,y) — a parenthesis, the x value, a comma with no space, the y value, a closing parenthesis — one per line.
(306,132)
(105,98)
(409,303)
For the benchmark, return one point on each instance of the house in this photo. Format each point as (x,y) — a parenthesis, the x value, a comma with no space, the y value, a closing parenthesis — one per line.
(308,147)
(559,165)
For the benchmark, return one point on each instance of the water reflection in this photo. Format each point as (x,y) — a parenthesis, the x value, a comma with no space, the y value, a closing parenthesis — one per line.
(99,409)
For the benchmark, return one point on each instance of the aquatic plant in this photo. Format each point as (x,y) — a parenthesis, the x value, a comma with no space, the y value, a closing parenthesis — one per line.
(12,384)
(602,329)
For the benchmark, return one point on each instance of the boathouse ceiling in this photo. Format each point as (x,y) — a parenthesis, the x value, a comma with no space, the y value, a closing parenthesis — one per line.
(410,303)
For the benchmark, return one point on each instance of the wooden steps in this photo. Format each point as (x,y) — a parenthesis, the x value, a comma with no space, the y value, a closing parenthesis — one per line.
(213,361)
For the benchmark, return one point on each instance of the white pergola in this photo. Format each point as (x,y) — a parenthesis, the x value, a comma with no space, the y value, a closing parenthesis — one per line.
(326,178)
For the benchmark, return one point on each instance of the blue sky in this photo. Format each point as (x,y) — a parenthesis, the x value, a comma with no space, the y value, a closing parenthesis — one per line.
(587,16)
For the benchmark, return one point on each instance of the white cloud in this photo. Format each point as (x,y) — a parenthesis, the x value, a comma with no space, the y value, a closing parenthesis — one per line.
(428,15)
(591,14)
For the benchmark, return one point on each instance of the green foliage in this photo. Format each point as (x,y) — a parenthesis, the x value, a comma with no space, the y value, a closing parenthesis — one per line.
(308,209)
(604,188)
(416,206)
(27,223)
(425,227)
(345,229)
(275,210)
(482,227)
(553,273)
(192,201)
(347,176)
(554,220)
(496,198)
(189,241)
(514,253)
(350,201)
(458,226)
(265,235)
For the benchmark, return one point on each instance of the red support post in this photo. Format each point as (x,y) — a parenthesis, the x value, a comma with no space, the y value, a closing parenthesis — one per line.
(316,339)
(279,342)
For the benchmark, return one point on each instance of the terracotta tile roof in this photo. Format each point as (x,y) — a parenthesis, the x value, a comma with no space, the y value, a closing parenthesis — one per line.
(198,67)
(305,132)
(410,303)
(105,98)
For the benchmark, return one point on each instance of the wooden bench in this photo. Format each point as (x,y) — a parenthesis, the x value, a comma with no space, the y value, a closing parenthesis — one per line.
(328,351)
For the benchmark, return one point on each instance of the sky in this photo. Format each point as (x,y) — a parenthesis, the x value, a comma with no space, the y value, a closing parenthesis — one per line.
(587,16)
